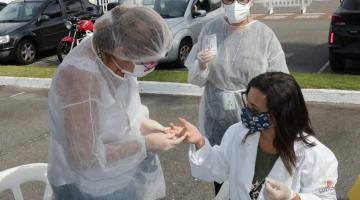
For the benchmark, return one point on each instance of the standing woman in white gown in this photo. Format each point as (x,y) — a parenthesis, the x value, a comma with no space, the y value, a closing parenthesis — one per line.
(102,143)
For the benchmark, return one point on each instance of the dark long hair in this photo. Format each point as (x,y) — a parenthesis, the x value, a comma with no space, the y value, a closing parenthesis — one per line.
(288,111)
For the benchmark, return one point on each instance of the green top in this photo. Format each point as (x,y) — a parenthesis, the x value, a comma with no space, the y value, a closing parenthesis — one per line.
(264,164)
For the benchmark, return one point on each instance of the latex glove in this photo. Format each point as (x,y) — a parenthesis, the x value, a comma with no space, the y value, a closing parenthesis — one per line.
(149,126)
(276,190)
(204,57)
(161,141)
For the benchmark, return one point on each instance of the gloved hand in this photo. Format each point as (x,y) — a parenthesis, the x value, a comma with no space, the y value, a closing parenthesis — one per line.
(204,57)
(161,141)
(149,126)
(275,190)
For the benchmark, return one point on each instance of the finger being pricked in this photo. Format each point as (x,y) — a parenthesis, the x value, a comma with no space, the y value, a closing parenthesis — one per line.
(175,128)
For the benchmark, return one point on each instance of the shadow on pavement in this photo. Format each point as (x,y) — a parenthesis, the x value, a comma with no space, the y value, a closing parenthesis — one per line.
(43,59)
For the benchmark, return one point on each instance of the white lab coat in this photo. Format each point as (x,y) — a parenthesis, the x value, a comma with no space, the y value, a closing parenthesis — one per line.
(314,178)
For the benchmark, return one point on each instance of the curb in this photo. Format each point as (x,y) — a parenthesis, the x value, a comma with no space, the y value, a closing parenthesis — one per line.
(152,87)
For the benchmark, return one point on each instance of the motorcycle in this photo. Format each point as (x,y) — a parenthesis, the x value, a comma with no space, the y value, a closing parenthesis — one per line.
(78,30)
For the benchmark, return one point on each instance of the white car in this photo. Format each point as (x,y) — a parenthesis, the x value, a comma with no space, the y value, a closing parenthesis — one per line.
(185,19)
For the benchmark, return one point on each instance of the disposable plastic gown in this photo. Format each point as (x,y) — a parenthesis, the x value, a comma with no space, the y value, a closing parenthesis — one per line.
(242,54)
(95,142)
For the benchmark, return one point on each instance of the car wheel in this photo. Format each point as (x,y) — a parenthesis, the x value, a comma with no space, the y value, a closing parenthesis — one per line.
(26,52)
(337,63)
(62,50)
(184,50)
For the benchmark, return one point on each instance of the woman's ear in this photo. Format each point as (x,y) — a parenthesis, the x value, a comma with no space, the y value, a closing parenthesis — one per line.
(272,121)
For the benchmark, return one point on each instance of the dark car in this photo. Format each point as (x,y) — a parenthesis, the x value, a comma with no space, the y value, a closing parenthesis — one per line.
(31,26)
(2,5)
(344,34)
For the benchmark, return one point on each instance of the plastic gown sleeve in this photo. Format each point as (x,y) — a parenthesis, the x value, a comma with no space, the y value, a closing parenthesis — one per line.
(196,75)
(319,177)
(84,128)
(276,56)
(212,163)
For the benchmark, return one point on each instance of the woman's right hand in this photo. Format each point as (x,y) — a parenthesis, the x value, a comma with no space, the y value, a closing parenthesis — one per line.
(162,141)
(204,57)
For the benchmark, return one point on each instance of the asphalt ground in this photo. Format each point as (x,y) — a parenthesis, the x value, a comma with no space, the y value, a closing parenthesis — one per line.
(24,138)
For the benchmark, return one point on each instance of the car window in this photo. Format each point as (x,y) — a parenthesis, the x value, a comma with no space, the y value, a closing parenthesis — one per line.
(20,11)
(73,7)
(207,5)
(2,5)
(94,2)
(351,5)
(169,8)
(53,10)
(91,6)
(214,4)
(201,5)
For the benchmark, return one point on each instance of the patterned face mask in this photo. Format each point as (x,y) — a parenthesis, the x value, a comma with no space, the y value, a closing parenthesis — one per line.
(254,123)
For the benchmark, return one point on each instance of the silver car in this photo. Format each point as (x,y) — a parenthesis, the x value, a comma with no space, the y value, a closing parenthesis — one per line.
(185,19)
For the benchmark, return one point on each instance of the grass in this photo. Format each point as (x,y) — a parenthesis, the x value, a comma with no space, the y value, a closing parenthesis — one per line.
(22,71)
(328,81)
(306,80)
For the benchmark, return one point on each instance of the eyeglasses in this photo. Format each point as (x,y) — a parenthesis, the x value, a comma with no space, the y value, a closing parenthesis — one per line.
(149,65)
(245,104)
(229,2)
(243,99)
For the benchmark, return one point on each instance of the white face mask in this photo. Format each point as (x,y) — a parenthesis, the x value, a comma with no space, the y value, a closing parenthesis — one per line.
(237,12)
(140,69)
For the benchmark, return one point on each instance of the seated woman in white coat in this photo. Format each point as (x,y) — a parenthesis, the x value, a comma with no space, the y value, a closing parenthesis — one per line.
(273,153)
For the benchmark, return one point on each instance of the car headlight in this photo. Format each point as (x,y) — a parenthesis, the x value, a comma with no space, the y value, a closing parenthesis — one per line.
(4,39)
(68,25)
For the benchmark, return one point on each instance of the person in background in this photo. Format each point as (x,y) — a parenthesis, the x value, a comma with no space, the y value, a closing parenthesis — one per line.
(245,48)
(272,153)
(102,143)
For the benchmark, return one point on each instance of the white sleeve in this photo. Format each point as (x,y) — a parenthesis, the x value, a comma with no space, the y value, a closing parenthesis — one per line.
(83,129)
(212,163)
(276,56)
(319,175)
(196,75)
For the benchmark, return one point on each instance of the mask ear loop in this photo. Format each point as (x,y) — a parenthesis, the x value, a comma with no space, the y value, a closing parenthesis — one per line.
(150,66)
(117,65)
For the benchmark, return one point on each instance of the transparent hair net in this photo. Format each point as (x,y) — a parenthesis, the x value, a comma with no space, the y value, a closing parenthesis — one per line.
(96,146)
(242,53)
(133,33)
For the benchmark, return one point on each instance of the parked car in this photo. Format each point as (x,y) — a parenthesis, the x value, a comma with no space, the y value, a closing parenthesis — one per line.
(31,26)
(2,5)
(344,34)
(185,19)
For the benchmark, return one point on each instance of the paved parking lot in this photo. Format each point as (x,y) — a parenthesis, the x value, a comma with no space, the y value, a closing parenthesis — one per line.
(24,137)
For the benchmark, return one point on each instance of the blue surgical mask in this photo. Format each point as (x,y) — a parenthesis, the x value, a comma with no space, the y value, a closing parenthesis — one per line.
(253,122)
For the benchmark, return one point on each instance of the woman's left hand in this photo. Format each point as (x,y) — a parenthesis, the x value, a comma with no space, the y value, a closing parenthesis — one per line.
(149,126)
(193,135)
(276,190)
